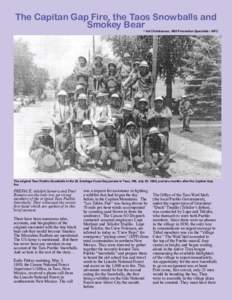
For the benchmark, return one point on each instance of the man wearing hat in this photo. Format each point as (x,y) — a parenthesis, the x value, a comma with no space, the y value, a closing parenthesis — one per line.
(130,141)
(116,108)
(100,112)
(141,118)
(160,116)
(81,111)
(186,112)
(98,73)
(130,81)
(137,96)
(62,111)
(82,71)
(87,145)
(65,147)
(110,144)
(156,151)
(80,89)
(111,81)
(125,67)
(144,79)
(43,145)
(127,116)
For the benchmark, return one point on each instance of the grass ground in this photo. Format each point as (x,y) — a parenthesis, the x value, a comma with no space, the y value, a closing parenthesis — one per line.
(209,136)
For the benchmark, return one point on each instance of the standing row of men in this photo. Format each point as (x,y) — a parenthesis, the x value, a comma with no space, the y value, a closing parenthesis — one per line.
(106,133)
(126,78)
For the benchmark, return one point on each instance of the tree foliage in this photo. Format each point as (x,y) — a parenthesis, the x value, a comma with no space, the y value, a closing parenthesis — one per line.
(202,70)
(171,49)
(28,77)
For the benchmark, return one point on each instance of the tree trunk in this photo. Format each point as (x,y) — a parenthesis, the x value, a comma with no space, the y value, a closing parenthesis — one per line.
(168,89)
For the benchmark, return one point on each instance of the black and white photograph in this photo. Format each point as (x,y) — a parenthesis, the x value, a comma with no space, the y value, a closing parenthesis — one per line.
(111,107)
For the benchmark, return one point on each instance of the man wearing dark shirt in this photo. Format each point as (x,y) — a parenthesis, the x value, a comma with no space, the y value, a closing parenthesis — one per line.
(42,145)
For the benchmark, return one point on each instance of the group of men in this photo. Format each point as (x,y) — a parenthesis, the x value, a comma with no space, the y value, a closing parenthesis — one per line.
(118,125)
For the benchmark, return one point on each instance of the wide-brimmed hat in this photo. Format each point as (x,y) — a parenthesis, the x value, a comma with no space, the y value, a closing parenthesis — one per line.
(126,54)
(82,57)
(112,64)
(62,93)
(153,130)
(86,123)
(144,64)
(128,106)
(100,94)
(143,100)
(109,124)
(115,95)
(159,99)
(46,127)
(82,96)
(98,56)
(130,123)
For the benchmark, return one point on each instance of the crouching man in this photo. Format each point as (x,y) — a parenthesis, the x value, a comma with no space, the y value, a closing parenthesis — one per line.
(42,151)
(156,151)
(110,143)
(87,146)
(65,147)
(131,144)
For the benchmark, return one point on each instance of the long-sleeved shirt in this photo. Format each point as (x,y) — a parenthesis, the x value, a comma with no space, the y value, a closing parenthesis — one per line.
(62,113)
(41,140)
(160,119)
(79,114)
(100,113)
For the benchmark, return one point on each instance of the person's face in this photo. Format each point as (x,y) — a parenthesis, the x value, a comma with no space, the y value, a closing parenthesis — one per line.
(82,61)
(136,102)
(158,105)
(136,67)
(65,130)
(126,60)
(126,113)
(112,68)
(76,127)
(82,103)
(46,132)
(142,106)
(87,128)
(109,130)
(154,136)
(143,70)
(98,60)
(62,99)
(131,129)
(186,104)
(115,102)
(100,100)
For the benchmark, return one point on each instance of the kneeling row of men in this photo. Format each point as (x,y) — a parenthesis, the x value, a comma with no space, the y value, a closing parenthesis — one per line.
(107,149)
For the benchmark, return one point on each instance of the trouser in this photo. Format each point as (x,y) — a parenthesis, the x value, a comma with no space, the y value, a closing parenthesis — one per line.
(93,154)
(70,155)
(156,158)
(186,122)
(58,128)
(108,153)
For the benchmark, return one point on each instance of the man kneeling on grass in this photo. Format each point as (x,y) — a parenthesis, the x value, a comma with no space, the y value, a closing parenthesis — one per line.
(87,146)
(156,151)
(110,143)
(65,147)
(42,151)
